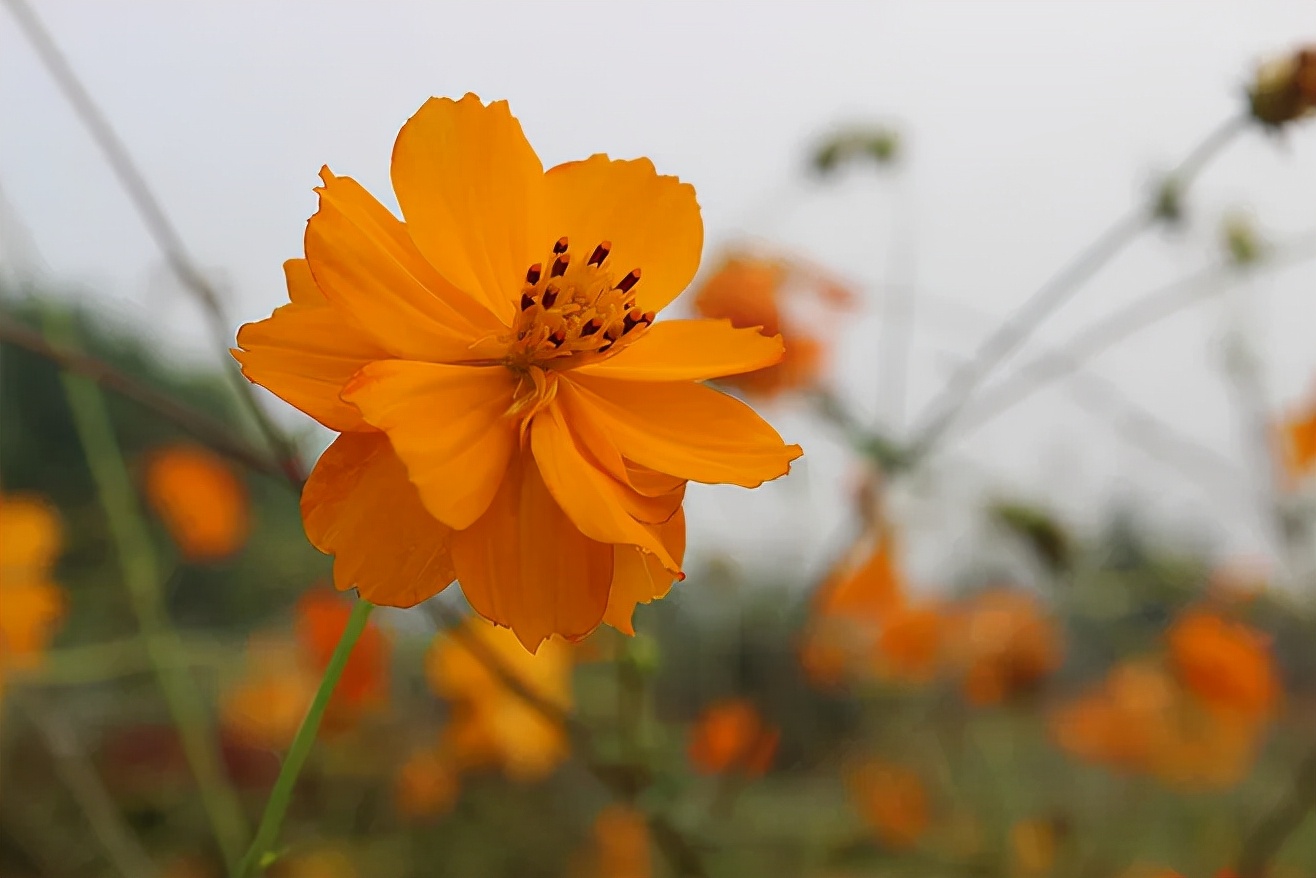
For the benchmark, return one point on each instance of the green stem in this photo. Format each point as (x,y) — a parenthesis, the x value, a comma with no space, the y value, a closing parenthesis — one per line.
(141,575)
(270,822)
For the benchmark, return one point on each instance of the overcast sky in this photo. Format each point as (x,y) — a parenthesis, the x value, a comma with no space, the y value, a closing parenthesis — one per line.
(1028,128)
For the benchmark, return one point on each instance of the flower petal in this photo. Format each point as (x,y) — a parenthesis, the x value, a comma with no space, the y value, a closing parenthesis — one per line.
(690,350)
(472,191)
(359,507)
(447,424)
(652,221)
(365,263)
(685,430)
(591,499)
(638,578)
(305,352)
(525,565)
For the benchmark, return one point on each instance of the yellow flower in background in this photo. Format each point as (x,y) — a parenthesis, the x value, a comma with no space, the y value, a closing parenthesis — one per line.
(622,847)
(1004,644)
(758,292)
(1225,663)
(510,412)
(31,605)
(1033,846)
(427,784)
(893,801)
(492,726)
(201,500)
(731,736)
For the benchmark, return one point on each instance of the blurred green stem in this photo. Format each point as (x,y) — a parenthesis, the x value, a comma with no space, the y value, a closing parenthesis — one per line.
(141,575)
(271,821)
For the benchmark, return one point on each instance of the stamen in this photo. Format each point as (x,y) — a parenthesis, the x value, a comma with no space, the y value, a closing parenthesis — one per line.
(550,295)
(591,326)
(557,338)
(631,321)
(600,253)
(532,276)
(629,281)
(561,245)
(560,265)
(527,301)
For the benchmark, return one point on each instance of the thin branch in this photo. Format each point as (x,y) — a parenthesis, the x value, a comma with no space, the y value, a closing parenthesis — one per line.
(1065,358)
(1061,287)
(77,772)
(211,431)
(149,208)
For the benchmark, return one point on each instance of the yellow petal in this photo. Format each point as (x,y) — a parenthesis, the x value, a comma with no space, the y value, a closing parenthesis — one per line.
(32,537)
(364,262)
(638,578)
(526,566)
(684,430)
(305,352)
(448,425)
(359,507)
(591,499)
(472,191)
(690,350)
(652,221)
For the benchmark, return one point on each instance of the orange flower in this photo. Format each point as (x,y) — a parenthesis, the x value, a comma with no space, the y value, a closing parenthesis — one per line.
(510,412)
(749,291)
(31,606)
(1224,663)
(892,801)
(1298,438)
(1004,644)
(909,648)
(265,707)
(1033,846)
(321,618)
(201,501)
(491,725)
(622,847)
(426,784)
(731,736)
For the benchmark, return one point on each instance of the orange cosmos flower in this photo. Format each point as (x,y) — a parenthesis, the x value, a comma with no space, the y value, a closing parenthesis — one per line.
(427,784)
(731,736)
(622,847)
(510,412)
(892,801)
(1224,663)
(491,725)
(200,499)
(1033,846)
(751,292)
(1298,440)
(321,619)
(1004,643)
(31,606)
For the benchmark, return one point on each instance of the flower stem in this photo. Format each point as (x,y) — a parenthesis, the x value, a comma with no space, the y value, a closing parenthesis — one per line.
(271,821)
(142,578)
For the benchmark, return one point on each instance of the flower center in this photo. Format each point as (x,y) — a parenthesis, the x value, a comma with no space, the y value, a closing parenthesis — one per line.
(574,310)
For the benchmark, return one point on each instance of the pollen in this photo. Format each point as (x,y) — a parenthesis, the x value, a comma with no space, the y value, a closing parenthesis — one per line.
(574,311)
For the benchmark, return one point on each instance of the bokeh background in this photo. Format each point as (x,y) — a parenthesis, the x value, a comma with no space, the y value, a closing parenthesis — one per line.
(1124,556)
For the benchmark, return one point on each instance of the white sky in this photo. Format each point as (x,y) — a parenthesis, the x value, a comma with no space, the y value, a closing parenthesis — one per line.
(1029,127)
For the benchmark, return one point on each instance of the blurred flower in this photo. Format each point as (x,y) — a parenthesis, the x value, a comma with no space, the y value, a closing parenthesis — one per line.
(427,784)
(1298,437)
(621,843)
(200,499)
(321,618)
(1224,663)
(510,413)
(31,605)
(909,645)
(892,801)
(756,293)
(1033,845)
(1284,88)
(265,706)
(492,726)
(730,736)
(1004,643)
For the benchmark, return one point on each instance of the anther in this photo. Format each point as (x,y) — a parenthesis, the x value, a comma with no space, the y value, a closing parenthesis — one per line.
(647,317)
(629,281)
(557,338)
(532,276)
(527,301)
(630,322)
(550,295)
(561,245)
(591,326)
(600,253)
(560,265)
